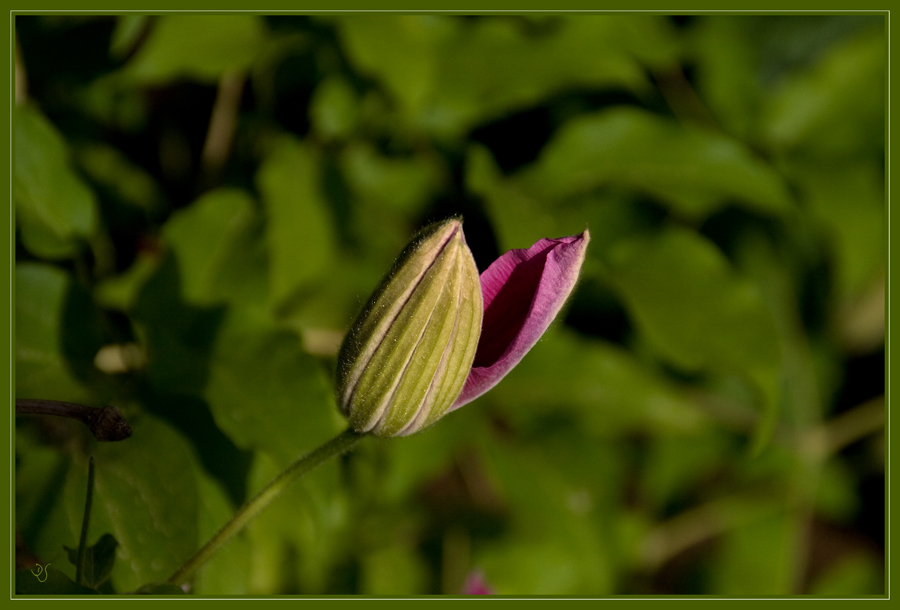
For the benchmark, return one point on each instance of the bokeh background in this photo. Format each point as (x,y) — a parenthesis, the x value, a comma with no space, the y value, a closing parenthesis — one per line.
(204,202)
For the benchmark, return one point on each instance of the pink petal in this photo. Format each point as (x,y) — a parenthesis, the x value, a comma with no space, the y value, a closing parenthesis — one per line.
(476,585)
(523,291)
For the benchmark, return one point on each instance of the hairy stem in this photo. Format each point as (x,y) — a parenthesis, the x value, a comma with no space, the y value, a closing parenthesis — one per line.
(342,443)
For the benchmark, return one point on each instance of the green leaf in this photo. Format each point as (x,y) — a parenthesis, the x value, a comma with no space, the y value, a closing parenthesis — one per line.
(127,181)
(308,523)
(55,210)
(178,336)
(757,558)
(217,243)
(837,108)
(127,33)
(98,560)
(521,216)
(697,311)
(693,170)
(41,369)
(677,467)
(554,546)
(266,393)
(396,49)
(46,580)
(299,231)
(605,387)
(121,291)
(491,67)
(853,574)
(227,572)
(146,496)
(334,109)
(405,184)
(200,47)
(847,202)
(726,52)
(393,570)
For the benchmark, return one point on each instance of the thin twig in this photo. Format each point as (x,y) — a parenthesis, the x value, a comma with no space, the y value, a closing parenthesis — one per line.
(106,424)
(222,127)
(85,523)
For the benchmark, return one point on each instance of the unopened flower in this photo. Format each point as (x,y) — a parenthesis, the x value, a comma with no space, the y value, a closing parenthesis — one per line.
(406,358)
(411,355)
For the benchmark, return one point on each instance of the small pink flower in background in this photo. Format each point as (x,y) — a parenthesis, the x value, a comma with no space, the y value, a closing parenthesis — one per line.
(477,585)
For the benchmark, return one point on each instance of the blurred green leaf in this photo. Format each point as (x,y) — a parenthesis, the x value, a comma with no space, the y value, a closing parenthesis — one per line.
(394,570)
(491,67)
(677,466)
(266,393)
(605,387)
(55,210)
(121,291)
(129,182)
(848,203)
(727,51)
(522,215)
(99,559)
(299,231)
(553,547)
(41,369)
(399,50)
(418,458)
(146,495)
(178,337)
(758,558)
(217,242)
(40,474)
(301,535)
(837,108)
(695,171)
(127,33)
(201,47)
(334,109)
(854,575)
(697,311)
(835,497)
(115,103)
(402,184)
(226,573)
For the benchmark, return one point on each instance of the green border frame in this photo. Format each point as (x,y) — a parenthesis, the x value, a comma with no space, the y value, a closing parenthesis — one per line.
(503,6)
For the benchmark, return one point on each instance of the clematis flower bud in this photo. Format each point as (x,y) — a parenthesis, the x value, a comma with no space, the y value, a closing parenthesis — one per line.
(405,360)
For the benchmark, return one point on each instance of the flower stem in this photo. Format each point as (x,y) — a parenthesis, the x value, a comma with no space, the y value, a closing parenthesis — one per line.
(342,443)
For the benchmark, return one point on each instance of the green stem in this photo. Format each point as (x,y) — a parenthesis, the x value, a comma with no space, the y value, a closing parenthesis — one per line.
(85,522)
(342,443)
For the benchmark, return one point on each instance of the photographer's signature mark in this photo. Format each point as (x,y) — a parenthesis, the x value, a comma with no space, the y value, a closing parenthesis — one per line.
(41,570)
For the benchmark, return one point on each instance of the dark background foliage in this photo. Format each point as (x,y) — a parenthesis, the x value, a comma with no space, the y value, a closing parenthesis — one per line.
(203,203)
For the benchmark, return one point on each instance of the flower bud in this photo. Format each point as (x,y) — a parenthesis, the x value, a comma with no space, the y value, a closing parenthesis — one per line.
(407,356)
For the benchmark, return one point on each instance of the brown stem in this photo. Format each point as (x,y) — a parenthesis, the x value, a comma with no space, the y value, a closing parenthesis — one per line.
(106,424)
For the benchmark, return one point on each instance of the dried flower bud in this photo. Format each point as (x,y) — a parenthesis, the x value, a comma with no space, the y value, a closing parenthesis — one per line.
(407,356)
